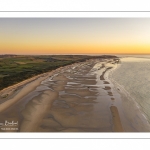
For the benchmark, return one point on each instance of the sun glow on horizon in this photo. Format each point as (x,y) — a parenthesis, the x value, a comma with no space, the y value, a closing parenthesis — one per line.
(74,35)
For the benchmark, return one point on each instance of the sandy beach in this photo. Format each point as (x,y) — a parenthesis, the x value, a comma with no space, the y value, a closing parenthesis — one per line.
(76,98)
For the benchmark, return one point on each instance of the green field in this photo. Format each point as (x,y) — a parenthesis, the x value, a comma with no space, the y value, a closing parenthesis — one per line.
(16,68)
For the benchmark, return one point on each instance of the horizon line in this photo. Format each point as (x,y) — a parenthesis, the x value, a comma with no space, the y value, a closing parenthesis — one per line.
(82,54)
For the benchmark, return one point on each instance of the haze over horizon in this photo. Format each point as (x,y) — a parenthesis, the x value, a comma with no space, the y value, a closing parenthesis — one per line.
(74,36)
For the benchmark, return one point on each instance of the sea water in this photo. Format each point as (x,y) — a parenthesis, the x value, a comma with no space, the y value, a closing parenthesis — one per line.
(133,74)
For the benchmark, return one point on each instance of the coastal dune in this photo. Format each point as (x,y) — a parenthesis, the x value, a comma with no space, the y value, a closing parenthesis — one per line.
(27,89)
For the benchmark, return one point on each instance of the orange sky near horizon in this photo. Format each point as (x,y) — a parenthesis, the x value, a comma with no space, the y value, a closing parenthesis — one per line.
(74,36)
(76,49)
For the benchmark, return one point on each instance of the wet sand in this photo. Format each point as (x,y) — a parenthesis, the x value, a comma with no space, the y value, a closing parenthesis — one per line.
(28,88)
(116,119)
(75,98)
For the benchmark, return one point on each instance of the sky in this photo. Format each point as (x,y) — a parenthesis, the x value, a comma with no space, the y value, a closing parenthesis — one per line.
(74,35)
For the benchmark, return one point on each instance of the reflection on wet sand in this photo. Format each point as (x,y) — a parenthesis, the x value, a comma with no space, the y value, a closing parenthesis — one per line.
(74,98)
(116,119)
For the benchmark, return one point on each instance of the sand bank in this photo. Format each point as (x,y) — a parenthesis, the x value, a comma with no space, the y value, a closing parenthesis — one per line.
(75,98)
(36,109)
(116,119)
(27,89)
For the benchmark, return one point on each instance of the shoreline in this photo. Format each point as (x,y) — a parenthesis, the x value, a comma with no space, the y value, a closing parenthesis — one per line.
(126,96)
(24,91)
(32,83)
(79,97)
(27,81)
